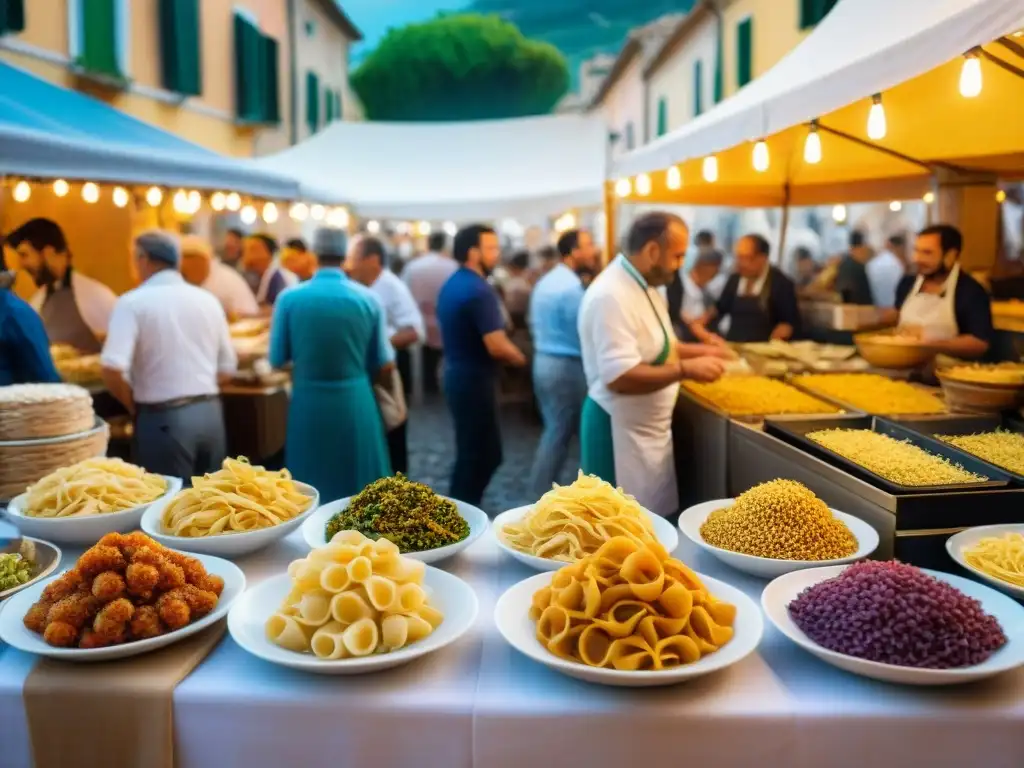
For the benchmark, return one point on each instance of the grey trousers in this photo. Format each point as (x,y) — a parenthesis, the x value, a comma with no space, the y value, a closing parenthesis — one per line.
(560,387)
(181,442)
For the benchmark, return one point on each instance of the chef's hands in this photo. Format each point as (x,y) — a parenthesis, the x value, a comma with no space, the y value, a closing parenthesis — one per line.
(703,369)
(710,349)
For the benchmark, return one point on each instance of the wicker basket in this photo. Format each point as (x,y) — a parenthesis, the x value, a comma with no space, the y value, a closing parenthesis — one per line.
(882,354)
(40,411)
(25,462)
(964,397)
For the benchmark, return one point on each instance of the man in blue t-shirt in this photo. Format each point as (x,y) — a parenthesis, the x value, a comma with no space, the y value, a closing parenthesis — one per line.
(475,341)
(24,348)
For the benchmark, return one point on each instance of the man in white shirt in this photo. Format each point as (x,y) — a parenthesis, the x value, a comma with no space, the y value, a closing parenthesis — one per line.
(165,357)
(425,277)
(886,270)
(366,263)
(200,268)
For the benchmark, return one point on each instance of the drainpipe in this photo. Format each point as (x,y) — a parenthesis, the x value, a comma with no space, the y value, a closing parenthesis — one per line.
(293,64)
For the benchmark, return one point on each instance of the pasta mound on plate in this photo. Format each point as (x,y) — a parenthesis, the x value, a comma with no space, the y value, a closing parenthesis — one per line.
(630,607)
(93,487)
(354,597)
(573,521)
(237,498)
(127,587)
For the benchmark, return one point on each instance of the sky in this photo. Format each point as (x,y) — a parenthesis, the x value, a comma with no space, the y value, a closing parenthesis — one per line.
(374,17)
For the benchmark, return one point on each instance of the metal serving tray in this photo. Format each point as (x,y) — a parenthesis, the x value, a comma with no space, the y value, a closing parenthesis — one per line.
(794,431)
(851,408)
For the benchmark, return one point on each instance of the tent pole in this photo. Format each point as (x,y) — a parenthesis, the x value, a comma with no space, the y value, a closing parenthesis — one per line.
(783,227)
(609,222)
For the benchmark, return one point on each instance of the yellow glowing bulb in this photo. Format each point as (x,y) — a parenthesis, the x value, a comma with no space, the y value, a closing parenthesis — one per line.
(643,185)
(154,196)
(248,215)
(674,178)
(373,227)
(895,206)
(195,201)
(120,197)
(876,120)
(180,201)
(233,201)
(929,198)
(61,188)
(338,217)
(270,213)
(623,187)
(218,201)
(839,214)
(970,77)
(299,212)
(1001,196)
(423,228)
(710,169)
(90,192)
(812,147)
(22,192)
(317,212)
(761,159)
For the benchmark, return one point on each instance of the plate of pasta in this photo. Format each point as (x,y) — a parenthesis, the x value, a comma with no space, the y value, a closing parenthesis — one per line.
(994,553)
(629,615)
(573,521)
(78,504)
(237,510)
(353,606)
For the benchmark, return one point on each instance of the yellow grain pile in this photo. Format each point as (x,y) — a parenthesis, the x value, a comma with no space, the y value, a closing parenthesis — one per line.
(872,393)
(782,520)
(1002,448)
(1010,374)
(756,396)
(898,461)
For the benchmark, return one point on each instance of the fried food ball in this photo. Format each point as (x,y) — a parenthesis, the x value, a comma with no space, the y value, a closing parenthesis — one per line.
(141,578)
(60,635)
(108,586)
(62,586)
(173,609)
(171,575)
(194,570)
(200,602)
(212,583)
(90,639)
(35,619)
(100,558)
(74,610)
(112,539)
(138,541)
(113,618)
(146,623)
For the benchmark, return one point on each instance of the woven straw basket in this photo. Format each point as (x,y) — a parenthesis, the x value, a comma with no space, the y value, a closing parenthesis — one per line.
(25,462)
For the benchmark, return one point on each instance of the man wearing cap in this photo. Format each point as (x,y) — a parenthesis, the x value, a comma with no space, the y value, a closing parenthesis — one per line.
(200,268)
(334,333)
(167,352)
(75,308)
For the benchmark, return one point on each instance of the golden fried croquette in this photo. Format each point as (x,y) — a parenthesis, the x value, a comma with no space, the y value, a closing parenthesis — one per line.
(113,618)
(108,586)
(75,610)
(60,635)
(141,578)
(194,570)
(90,639)
(35,619)
(212,583)
(200,602)
(62,586)
(171,575)
(112,539)
(146,623)
(98,559)
(173,609)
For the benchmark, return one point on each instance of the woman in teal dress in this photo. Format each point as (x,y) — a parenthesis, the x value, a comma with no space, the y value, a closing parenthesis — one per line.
(333,333)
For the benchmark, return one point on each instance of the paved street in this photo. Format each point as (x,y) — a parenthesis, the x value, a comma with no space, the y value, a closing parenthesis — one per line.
(432,453)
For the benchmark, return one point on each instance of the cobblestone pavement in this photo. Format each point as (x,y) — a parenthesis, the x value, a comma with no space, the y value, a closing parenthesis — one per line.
(432,453)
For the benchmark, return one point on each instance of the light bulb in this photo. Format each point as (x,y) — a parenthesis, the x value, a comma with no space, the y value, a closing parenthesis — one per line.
(876,119)
(22,192)
(195,201)
(299,212)
(338,217)
(317,212)
(643,185)
(90,192)
(450,228)
(623,187)
(233,202)
(812,146)
(120,197)
(61,188)
(180,202)
(569,219)
(1001,196)
(373,227)
(248,215)
(270,213)
(761,159)
(403,228)
(710,169)
(218,201)
(839,214)
(154,196)
(895,206)
(970,76)
(674,178)
(423,228)
(929,198)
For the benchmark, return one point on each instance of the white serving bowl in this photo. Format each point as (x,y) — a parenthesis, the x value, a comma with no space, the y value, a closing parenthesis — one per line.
(227,545)
(663,530)
(693,518)
(782,591)
(14,633)
(448,593)
(82,530)
(47,558)
(957,543)
(314,530)
(512,615)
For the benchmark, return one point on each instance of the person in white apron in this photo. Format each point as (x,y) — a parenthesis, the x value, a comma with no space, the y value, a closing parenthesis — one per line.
(634,363)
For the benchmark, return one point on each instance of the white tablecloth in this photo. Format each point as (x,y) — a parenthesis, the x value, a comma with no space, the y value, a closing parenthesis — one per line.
(480,703)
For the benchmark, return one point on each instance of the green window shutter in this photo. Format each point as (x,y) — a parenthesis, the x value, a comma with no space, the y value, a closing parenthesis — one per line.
(744,52)
(250,72)
(698,87)
(181,66)
(337,104)
(99,43)
(312,101)
(271,85)
(328,107)
(662,116)
(630,138)
(813,11)
(12,16)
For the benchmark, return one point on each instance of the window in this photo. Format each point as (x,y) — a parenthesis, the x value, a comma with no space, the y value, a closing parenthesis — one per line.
(744,52)
(630,138)
(662,116)
(180,65)
(312,101)
(98,37)
(813,11)
(328,107)
(698,87)
(271,106)
(337,104)
(256,73)
(310,28)
(12,16)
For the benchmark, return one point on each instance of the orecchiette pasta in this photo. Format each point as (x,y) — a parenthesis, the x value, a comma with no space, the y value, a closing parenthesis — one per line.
(353,597)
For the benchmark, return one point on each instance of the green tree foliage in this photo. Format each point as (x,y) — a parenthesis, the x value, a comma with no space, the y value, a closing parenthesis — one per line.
(460,67)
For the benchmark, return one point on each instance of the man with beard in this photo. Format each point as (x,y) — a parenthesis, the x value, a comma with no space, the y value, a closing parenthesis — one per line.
(474,340)
(75,309)
(559,383)
(634,364)
(942,305)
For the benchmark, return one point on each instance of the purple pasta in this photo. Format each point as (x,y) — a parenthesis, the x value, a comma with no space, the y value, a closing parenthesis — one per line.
(897,614)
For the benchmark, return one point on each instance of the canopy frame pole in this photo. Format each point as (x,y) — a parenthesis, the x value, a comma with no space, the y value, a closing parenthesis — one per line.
(609,222)
(1011,45)
(783,226)
(1013,69)
(890,152)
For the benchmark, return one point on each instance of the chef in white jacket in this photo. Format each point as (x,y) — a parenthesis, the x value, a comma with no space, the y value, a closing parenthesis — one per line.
(75,308)
(634,363)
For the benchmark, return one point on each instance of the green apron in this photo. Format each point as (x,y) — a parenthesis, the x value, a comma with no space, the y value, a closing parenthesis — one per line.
(597,449)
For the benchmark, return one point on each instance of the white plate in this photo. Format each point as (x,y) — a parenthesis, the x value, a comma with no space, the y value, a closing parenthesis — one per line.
(314,530)
(46,553)
(512,615)
(780,593)
(663,530)
(14,633)
(765,567)
(247,621)
(227,545)
(82,530)
(956,544)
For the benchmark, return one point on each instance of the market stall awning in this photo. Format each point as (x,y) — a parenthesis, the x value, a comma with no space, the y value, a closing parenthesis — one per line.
(48,131)
(910,52)
(522,168)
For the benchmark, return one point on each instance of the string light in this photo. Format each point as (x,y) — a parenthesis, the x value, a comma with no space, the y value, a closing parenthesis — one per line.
(423,228)
(839,214)
(248,215)
(180,202)
(61,188)
(218,201)
(449,227)
(22,192)
(876,119)
(929,198)
(270,213)
(761,158)
(90,192)
(234,202)
(895,206)
(120,197)
(195,201)
(970,76)
(154,196)
(1001,196)
(643,185)
(299,212)
(338,218)
(674,178)
(623,187)
(812,146)
(373,227)
(317,212)
(710,169)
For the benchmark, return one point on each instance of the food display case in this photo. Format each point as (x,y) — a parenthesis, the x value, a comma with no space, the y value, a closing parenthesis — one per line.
(932,427)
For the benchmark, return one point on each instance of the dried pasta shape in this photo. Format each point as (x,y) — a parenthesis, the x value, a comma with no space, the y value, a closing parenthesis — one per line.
(350,607)
(327,642)
(352,538)
(676,601)
(412,571)
(394,632)
(360,569)
(622,619)
(411,598)
(418,628)
(361,638)
(706,627)
(702,645)
(654,629)
(722,613)
(342,554)
(295,567)
(314,608)
(431,615)
(286,632)
(566,645)
(334,578)
(541,599)
(553,623)
(645,575)
(307,577)
(382,593)
(631,654)
(387,564)
(569,597)
(595,646)
(676,651)
(615,551)
(683,575)
(613,595)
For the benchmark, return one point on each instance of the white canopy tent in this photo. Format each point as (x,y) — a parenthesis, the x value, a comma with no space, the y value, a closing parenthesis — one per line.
(524,168)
